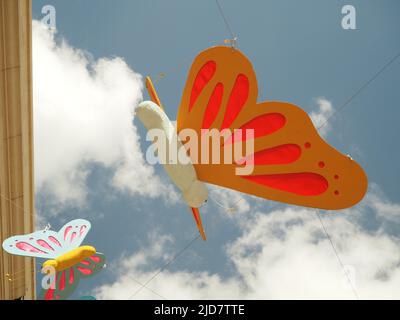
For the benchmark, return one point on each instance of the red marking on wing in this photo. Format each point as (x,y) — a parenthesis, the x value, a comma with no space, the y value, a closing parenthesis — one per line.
(202,78)
(54,240)
(67,230)
(262,125)
(44,244)
(304,184)
(265,124)
(73,236)
(62,281)
(213,106)
(84,271)
(85,262)
(283,154)
(27,247)
(95,259)
(237,99)
(82,230)
(71,276)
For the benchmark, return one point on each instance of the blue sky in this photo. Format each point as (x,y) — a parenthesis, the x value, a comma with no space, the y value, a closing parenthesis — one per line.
(300,53)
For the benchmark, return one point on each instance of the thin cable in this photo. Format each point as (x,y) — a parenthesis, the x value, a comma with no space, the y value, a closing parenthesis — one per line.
(162,75)
(151,290)
(341,108)
(228,26)
(233,208)
(165,266)
(337,255)
(15,205)
(351,98)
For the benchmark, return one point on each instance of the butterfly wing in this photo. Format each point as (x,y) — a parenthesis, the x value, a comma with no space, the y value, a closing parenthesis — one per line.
(48,244)
(65,284)
(90,266)
(73,233)
(67,280)
(40,244)
(292,163)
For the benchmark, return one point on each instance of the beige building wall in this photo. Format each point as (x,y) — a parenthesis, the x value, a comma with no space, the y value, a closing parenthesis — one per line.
(17,274)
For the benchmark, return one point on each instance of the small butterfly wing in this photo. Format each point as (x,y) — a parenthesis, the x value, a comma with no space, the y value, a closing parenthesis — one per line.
(73,233)
(90,266)
(65,284)
(40,244)
(67,280)
(292,163)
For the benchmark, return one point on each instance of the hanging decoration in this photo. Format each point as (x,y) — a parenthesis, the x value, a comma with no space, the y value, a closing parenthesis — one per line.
(291,162)
(67,260)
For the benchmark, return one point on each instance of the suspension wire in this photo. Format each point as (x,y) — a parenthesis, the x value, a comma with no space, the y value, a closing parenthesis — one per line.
(228,26)
(144,286)
(30,214)
(353,288)
(166,265)
(233,41)
(340,109)
(365,85)
(163,74)
(230,209)
(169,262)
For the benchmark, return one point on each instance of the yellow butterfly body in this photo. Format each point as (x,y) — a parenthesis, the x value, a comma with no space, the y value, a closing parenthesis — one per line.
(71,258)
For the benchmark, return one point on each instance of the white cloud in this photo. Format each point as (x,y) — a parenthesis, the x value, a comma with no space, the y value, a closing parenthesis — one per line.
(83,111)
(386,210)
(281,255)
(320,116)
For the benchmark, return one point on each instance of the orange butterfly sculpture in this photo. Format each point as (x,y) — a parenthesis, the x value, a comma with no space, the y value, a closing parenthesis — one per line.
(292,163)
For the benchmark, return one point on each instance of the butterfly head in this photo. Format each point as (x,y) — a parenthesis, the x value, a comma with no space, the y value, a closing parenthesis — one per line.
(50,264)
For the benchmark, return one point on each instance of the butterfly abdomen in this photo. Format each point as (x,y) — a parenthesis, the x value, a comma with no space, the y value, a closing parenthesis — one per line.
(182,173)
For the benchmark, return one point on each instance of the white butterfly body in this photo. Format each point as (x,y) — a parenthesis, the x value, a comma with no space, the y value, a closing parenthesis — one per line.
(182,173)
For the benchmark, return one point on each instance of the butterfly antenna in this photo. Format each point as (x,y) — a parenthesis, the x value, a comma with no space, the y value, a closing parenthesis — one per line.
(152,92)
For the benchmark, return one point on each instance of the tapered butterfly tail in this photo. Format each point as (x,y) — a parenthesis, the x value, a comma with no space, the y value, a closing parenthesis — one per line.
(199,224)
